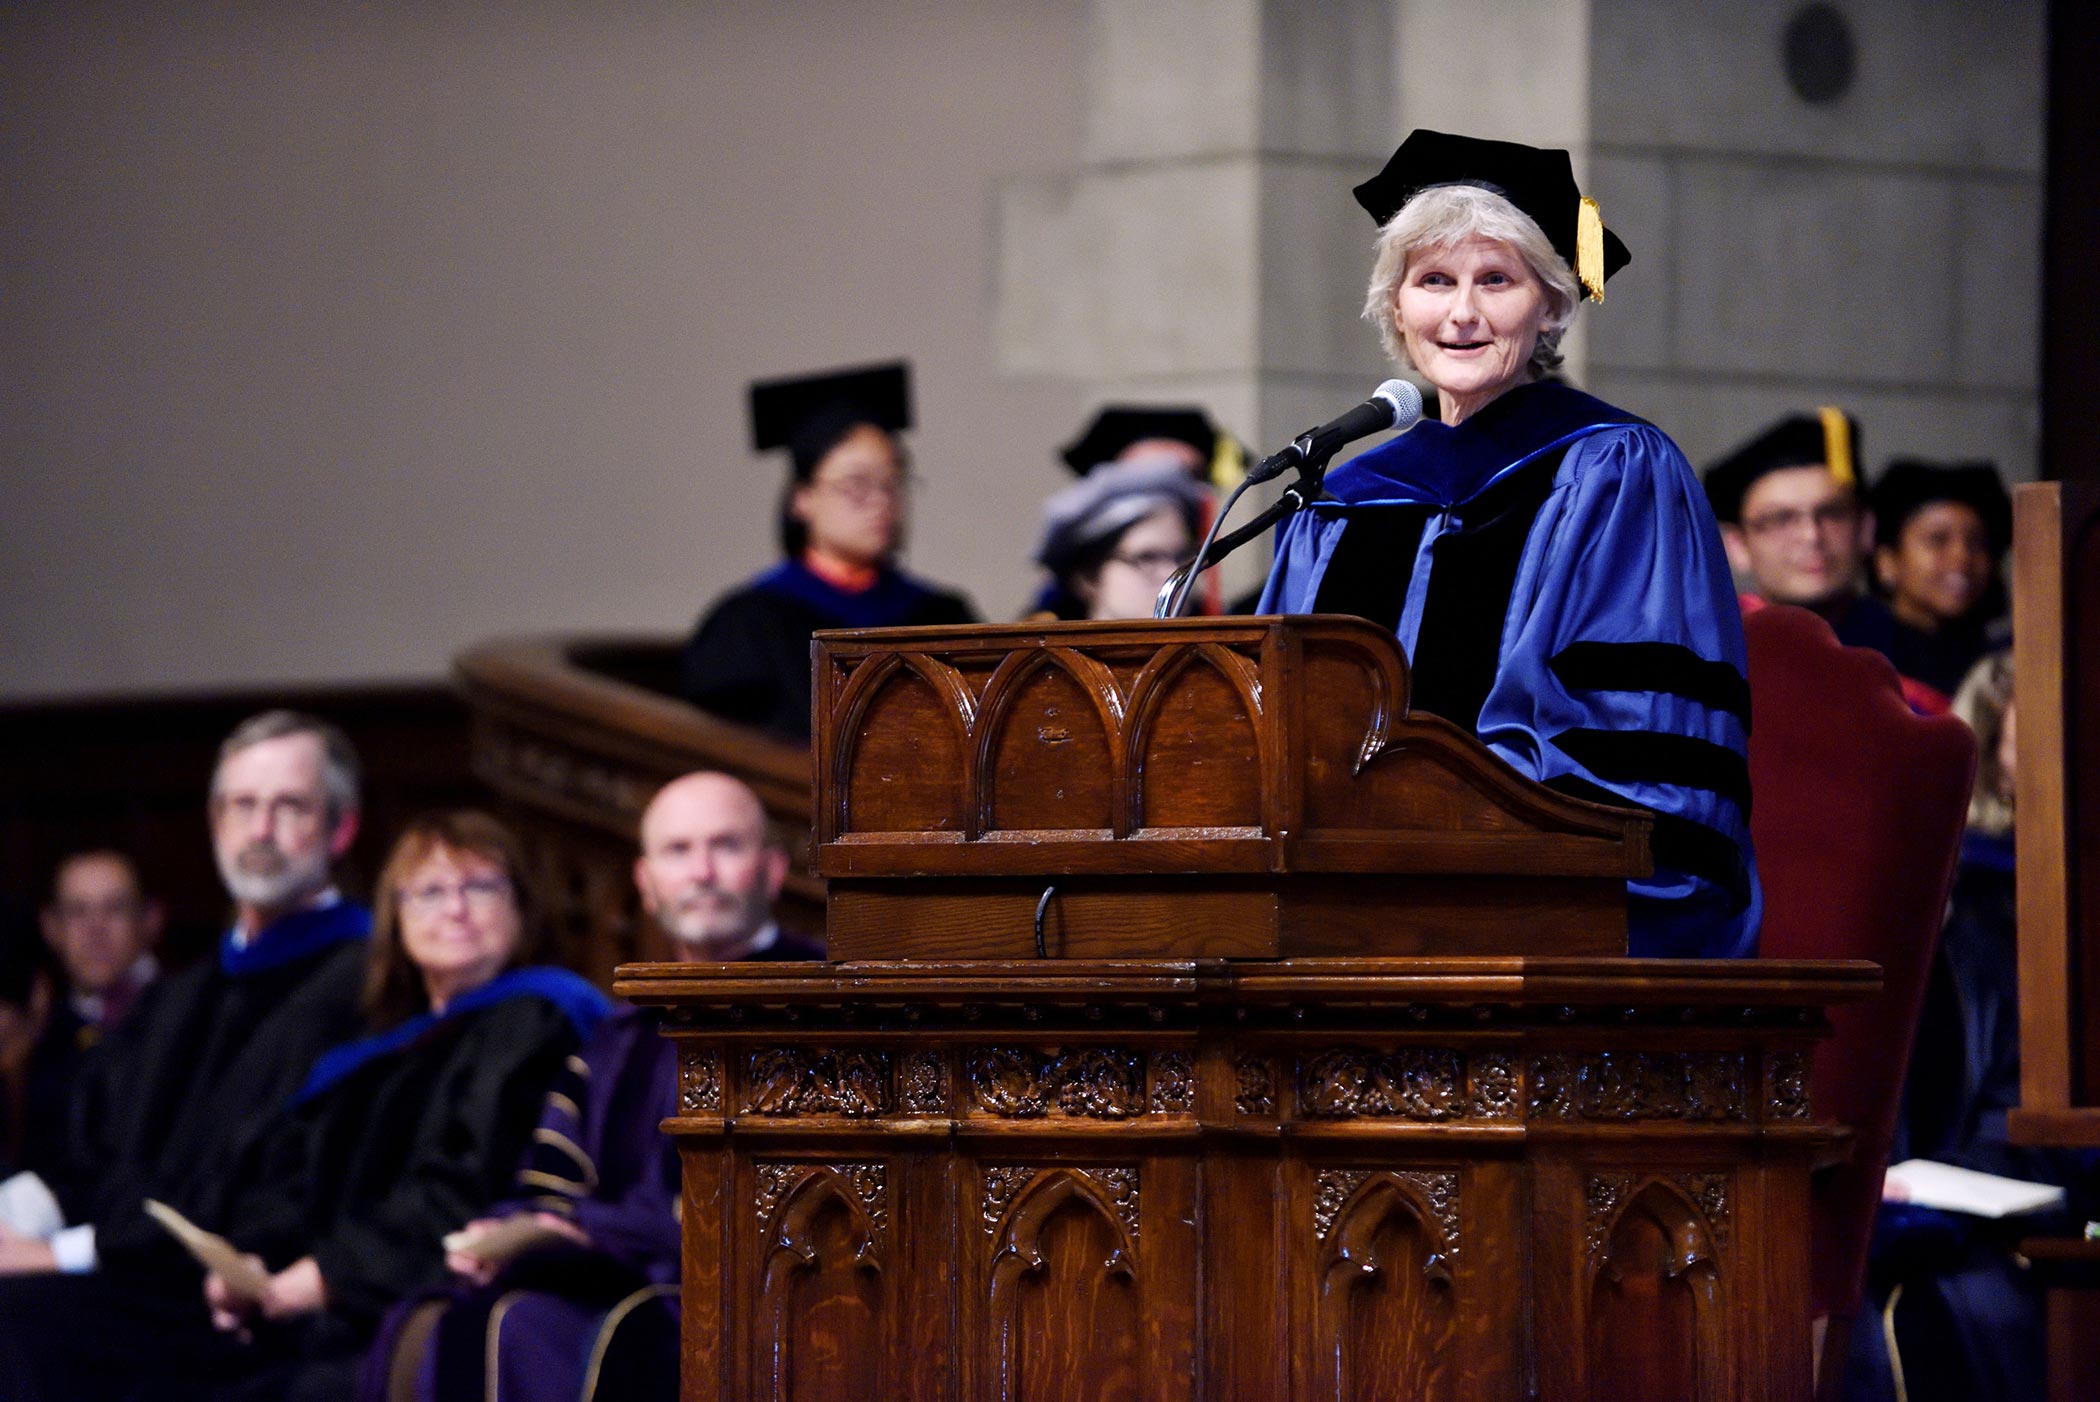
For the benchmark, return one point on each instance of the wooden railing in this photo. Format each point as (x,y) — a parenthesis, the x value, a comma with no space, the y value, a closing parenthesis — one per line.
(574,735)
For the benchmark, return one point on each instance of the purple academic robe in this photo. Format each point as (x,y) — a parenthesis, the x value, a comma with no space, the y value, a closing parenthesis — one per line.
(568,1320)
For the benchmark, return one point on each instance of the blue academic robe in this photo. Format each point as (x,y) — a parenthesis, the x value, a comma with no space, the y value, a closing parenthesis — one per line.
(1554,574)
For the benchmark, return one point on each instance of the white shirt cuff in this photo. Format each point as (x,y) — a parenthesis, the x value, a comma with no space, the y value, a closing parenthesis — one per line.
(28,1208)
(74,1249)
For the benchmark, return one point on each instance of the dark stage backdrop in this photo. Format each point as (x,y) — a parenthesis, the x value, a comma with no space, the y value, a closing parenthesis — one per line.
(132,774)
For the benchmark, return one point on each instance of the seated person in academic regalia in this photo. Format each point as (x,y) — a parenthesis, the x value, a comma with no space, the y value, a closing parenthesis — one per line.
(101,929)
(173,1102)
(1548,563)
(841,523)
(601,1177)
(1111,539)
(1794,526)
(1967,1317)
(1939,534)
(1178,435)
(406,1134)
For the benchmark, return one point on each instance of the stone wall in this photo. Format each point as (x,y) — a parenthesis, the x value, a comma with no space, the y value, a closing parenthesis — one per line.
(1880,251)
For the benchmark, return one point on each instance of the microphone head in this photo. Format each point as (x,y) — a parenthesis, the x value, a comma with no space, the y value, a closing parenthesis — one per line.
(1405,400)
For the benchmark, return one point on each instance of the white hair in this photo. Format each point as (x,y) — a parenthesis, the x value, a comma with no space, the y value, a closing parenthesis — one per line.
(1445,216)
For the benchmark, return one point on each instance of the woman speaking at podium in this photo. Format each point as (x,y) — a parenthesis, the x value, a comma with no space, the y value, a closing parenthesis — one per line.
(1548,562)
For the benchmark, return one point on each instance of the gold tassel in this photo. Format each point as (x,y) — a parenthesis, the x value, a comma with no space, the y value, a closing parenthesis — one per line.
(1589,248)
(1837,444)
(1228,463)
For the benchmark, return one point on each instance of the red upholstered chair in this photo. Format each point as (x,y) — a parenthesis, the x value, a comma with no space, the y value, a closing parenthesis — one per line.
(1858,808)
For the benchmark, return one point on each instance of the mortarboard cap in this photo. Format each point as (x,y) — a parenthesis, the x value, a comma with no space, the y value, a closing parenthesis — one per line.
(1908,486)
(1538,181)
(783,409)
(1118,426)
(1100,504)
(1829,438)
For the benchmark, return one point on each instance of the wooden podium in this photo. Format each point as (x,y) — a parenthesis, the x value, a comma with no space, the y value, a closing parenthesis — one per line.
(1208,1027)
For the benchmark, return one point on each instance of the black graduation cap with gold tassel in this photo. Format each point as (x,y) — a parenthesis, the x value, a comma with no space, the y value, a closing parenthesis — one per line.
(1537,180)
(1829,439)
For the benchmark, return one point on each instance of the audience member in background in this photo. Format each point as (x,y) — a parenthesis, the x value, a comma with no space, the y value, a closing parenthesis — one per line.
(101,928)
(1939,533)
(1111,539)
(400,1137)
(1967,1319)
(1792,522)
(841,524)
(1180,434)
(592,1311)
(174,1103)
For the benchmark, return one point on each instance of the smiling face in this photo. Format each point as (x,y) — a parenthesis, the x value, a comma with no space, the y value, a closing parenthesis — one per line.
(1802,537)
(1469,317)
(460,924)
(1939,567)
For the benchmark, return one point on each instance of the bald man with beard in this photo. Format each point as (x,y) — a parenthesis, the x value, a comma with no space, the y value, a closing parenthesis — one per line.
(598,1290)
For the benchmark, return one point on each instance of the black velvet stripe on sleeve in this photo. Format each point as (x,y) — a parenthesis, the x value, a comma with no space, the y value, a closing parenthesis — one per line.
(1678,843)
(1664,667)
(1654,757)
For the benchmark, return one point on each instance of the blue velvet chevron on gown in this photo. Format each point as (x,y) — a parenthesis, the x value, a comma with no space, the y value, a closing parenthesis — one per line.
(1554,574)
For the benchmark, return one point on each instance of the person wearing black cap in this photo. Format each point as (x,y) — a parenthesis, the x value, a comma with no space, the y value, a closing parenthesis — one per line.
(1180,433)
(841,521)
(1111,539)
(1549,563)
(1939,532)
(1791,518)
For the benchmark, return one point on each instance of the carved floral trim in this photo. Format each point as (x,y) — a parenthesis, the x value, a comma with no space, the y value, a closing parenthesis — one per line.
(787,1081)
(1412,1083)
(1254,1092)
(1606,1193)
(1173,1083)
(1786,1085)
(922,1083)
(1438,1188)
(867,1180)
(699,1081)
(1495,1092)
(1102,1083)
(1117,1186)
(1638,1086)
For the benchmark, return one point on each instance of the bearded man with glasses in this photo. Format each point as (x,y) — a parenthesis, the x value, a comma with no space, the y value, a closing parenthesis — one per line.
(172,1105)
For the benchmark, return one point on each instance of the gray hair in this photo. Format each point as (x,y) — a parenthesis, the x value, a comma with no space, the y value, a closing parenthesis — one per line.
(1444,216)
(341,774)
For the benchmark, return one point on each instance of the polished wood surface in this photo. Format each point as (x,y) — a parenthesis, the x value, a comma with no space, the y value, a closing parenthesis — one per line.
(2056,594)
(1201,787)
(574,735)
(1351,1178)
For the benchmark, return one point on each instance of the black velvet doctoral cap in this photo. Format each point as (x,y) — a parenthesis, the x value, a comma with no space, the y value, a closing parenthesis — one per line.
(783,410)
(1908,486)
(1118,426)
(1798,440)
(1539,181)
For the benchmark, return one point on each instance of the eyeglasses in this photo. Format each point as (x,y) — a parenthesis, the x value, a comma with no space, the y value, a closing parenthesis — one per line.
(1159,562)
(481,892)
(1830,516)
(865,491)
(299,808)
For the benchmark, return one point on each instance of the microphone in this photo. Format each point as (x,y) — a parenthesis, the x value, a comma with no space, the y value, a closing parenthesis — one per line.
(1394,404)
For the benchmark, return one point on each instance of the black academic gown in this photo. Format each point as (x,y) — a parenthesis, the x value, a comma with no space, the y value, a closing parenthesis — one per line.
(748,660)
(368,1177)
(174,1105)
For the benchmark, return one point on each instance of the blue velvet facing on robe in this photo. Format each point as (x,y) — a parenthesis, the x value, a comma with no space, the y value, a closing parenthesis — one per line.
(1617,671)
